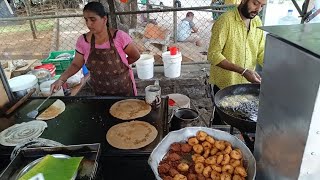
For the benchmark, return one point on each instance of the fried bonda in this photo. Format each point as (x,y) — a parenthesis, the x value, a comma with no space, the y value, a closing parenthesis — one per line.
(179,177)
(167,178)
(173,172)
(186,148)
(175,147)
(163,168)
(173,157)
(192,176)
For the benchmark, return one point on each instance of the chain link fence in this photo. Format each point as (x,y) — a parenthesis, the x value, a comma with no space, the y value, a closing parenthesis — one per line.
(32,28)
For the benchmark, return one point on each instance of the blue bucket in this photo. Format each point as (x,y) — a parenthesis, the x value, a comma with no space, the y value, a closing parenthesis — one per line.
(85,70)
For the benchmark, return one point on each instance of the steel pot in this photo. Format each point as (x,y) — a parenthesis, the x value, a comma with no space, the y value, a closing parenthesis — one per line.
(41,74)
(183,117)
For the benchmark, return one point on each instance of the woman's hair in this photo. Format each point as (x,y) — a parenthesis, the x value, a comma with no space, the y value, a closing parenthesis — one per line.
(96,7)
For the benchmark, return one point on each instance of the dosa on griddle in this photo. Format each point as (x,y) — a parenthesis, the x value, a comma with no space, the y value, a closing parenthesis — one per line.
(130,109)
(131,135)
(52,111)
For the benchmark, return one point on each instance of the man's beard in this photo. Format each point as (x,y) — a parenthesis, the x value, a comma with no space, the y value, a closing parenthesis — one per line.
(245,11)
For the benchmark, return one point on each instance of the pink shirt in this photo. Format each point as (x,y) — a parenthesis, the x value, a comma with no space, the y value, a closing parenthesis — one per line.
(121,41)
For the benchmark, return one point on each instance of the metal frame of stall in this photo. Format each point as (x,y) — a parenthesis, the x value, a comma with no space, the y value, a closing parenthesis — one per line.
(305,16)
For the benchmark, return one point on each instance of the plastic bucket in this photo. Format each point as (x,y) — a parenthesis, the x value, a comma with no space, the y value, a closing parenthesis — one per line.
(45,89)
(145,66)
(21,85)
(171,64)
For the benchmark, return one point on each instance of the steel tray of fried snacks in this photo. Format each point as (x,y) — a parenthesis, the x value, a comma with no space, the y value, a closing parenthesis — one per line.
(182,135)
(87,169)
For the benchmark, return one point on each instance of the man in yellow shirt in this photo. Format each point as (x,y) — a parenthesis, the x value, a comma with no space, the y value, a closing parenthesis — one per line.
(236,46)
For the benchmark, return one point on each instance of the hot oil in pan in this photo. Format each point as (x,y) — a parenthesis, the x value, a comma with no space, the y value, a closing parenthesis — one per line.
(242,106)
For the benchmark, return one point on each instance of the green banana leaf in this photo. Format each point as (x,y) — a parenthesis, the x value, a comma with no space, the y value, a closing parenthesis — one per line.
(54,168)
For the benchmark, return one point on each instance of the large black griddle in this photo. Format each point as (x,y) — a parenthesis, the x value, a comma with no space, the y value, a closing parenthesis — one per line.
(87,119)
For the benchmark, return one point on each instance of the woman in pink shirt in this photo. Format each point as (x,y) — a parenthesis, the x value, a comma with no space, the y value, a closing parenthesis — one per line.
(104,51)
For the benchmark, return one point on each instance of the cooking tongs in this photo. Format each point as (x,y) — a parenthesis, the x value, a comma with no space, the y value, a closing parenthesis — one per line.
(34,113)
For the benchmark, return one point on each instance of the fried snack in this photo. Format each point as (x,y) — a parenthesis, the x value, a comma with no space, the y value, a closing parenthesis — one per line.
(200,159)
(226,159)
(183,167)
(210,139)
(199,168)
(201,135)
(234,162)
(219,159)
(201,177)
(226,176)
(194,157)
(236,154)
(215,175)
(173,172)
(220,145)
(227,143)
(228,168)
(198,148)
(192,176)
(219,153)
(213,151)
(186,148)
(241,171)
(238,177)
(175,147)
(216,168)
(167,178)
(211,160)
(206,153)
(207,171)
(179,177)
(163,168)
(206,145)
(193,141)
(173,157)
(227,150)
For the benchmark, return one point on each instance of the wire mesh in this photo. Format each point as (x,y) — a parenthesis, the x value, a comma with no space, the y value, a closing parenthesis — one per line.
(55,25)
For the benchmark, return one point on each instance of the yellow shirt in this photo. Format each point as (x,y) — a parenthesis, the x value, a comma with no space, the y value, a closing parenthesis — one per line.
(229,2)
(231,40)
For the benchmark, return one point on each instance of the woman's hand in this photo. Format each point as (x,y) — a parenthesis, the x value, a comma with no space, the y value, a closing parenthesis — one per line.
(252,76)
(56,85)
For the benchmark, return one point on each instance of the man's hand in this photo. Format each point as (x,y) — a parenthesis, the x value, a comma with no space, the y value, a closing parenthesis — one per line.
(252,76)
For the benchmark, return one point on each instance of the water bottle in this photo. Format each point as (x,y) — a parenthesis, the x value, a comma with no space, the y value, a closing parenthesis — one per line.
(288,19)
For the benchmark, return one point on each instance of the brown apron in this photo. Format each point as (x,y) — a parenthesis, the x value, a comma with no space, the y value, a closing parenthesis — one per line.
(109,76)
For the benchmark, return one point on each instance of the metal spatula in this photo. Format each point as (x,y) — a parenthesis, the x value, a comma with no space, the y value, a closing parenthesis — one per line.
(34,113)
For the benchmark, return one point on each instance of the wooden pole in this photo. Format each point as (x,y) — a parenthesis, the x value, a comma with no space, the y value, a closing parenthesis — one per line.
(112,16)
(175,23)
(28,10)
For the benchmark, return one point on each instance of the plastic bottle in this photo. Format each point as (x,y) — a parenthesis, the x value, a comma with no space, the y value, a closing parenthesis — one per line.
(288,19)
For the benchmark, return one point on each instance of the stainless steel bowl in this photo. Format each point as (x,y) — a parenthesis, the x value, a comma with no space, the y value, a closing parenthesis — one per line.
(41,74)
(35,162)
(183,134)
